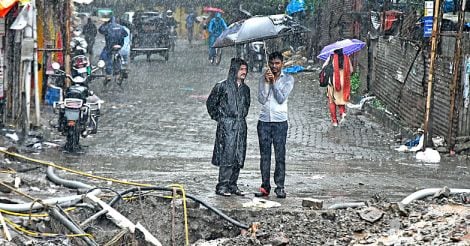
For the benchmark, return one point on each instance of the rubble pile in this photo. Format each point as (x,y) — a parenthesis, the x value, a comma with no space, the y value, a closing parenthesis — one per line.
(433,221)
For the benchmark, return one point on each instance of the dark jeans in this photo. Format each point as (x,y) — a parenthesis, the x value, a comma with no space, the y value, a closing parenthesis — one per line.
(228,177)
(272,133)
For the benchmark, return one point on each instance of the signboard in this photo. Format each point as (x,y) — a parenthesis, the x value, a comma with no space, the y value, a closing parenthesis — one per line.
(428,8)
(427,26)
(428,18)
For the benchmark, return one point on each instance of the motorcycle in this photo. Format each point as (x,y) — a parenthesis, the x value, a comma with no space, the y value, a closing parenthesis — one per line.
(79,110)
(80,62)
(255,55)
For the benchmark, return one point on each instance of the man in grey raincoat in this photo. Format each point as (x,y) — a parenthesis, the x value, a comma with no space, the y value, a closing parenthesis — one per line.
(228,104)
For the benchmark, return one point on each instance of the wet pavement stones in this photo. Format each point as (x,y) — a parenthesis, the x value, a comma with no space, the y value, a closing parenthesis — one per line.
(158,130)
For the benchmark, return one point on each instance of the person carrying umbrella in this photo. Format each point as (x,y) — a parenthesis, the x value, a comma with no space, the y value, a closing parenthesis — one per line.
(216,26)
(228,104)
(339,87)
(274,89)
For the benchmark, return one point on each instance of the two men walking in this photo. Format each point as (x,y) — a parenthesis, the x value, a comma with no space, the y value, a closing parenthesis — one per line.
(228,104)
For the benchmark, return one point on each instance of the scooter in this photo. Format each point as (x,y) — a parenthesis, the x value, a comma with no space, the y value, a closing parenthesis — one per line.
(78,111)
(256,56)
(80,62)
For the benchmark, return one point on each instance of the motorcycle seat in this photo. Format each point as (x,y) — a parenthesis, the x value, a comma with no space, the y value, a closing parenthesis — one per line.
(116,47)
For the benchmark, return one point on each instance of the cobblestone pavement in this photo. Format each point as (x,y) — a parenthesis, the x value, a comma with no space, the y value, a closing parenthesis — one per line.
(157,130)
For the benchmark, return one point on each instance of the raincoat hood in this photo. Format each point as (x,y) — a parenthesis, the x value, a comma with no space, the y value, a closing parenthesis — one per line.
(218,15)
(235,65)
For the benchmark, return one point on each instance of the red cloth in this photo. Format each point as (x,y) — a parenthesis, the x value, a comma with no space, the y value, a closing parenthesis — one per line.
(5,7)
(346,76)
(332,107)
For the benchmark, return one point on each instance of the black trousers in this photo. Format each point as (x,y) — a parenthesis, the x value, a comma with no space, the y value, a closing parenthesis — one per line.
(228,177)
(272,134)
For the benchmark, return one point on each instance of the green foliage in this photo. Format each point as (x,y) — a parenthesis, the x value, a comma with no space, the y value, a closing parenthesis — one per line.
(376,103)
(355,83)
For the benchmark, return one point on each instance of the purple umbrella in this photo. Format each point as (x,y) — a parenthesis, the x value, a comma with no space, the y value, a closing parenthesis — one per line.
(349,46)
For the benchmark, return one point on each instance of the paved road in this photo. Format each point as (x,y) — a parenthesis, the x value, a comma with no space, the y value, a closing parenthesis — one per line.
(158,131)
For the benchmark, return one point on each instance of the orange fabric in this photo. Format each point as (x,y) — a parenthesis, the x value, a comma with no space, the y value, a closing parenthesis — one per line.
(6,6)
(346,76)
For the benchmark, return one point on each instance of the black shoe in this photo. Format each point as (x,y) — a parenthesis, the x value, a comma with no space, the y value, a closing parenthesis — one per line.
(223,193)
(238,192)
(280,193)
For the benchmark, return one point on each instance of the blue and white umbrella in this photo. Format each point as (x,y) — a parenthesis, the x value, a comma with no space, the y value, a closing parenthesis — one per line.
(258,28)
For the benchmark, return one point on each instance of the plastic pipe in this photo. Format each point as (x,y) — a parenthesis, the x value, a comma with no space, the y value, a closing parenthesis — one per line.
(428,192)
(55,213)
(63,201)
(347,205)
(65,182)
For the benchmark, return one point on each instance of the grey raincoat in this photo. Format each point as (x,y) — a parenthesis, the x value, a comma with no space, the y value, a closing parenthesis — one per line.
(228,104)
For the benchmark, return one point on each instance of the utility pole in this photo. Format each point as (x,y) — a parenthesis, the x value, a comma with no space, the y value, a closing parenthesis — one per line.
(456,71)
(434,41)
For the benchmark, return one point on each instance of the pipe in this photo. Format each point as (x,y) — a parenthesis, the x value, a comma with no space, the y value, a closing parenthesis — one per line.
(63,201)
(215,210)
(347,205)
(67,183)
(37,104)
(56,213)
(428,192)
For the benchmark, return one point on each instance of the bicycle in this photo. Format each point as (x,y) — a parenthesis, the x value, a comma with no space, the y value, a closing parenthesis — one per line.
(119,74)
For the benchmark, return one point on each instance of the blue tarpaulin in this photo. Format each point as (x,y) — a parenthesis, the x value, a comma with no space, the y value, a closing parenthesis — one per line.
(295,6)
(293,69)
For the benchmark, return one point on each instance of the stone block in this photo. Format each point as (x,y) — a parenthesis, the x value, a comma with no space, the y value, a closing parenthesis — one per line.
(312,203)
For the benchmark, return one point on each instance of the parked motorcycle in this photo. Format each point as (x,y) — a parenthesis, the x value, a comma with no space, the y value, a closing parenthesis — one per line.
(80,62)
(79,110)
(255,55)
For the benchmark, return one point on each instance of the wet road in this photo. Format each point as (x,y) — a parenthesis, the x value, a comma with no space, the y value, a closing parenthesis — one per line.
(158,131)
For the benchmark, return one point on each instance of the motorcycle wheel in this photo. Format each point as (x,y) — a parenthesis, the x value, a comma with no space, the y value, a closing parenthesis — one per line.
(73,139)
(260,66)
(94,126)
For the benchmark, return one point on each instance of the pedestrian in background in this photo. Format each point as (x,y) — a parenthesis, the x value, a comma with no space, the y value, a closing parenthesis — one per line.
(228,104)
(339,87)
(190,20)
(216,26)
(90,31)
(274,89)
